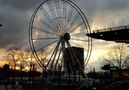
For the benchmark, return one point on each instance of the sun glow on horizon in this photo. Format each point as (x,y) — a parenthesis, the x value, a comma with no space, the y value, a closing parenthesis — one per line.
(97,55)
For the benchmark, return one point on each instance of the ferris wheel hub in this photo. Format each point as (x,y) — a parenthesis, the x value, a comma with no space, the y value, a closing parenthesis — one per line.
(67,36)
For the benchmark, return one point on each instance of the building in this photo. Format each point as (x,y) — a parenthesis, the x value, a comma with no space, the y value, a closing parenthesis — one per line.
(73,59)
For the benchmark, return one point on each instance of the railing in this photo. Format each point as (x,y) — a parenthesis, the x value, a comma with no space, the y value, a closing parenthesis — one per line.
(112,29)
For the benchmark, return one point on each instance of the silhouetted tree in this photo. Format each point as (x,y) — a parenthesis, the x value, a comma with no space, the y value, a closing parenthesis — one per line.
(117,59)
(118,56)
(17,57)
(13,57)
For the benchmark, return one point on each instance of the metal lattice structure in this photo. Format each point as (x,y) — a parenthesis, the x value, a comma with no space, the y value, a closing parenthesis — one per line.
(58,38)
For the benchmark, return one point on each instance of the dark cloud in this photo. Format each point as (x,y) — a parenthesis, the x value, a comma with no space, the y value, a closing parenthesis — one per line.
(15,16)
(20,5)
(117,4)
(93,8)
(13,26)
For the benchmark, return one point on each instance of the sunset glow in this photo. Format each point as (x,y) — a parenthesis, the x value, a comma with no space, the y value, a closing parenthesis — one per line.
(15,33)
(64,44)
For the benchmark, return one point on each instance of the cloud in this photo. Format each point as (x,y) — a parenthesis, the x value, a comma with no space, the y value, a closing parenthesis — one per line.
(117,4)
(22,5)
(105,13)
(15,16)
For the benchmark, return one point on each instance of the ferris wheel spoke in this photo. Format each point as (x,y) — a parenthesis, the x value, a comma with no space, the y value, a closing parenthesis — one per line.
(79,34)
(57,61)
(76,27)
(48,17)
(82,40)
(44,38)
(47,45)
(39,63)
(44,31)
(58,58)
(58,13)
(64,15)
(53,13)
(48,52)
(43,60)
(70,15)
(73,22)
(69,18)
(75,43)
(46,24)
(52,58)
(61,15)
(38,60)
(46,55)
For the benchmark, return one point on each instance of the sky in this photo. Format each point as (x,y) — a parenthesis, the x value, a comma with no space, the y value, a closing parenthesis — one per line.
(15,17)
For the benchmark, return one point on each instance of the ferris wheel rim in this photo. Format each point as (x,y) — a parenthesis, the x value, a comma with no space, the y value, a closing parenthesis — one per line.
(82,15)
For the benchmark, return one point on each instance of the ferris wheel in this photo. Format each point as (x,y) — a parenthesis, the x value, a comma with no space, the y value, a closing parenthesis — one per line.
(57,36)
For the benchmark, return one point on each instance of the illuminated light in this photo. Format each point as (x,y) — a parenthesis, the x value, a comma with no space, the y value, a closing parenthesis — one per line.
(59,62)
(38,70)
(38,18)
(17,68)
(36,33)
(27,68)
(101,35)
(18,62)
(125,74)
(29,59)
